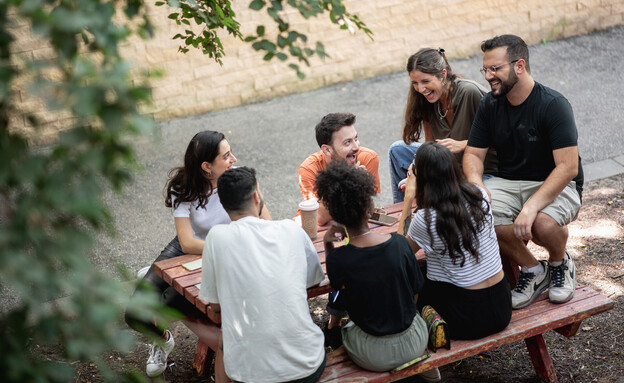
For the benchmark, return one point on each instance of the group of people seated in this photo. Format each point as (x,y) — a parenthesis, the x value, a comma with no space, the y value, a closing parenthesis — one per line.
(497,169)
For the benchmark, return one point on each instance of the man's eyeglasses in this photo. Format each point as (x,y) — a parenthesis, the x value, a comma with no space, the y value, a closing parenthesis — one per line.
(494,68)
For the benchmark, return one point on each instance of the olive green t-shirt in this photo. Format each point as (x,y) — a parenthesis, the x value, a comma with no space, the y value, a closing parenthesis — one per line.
(465,97)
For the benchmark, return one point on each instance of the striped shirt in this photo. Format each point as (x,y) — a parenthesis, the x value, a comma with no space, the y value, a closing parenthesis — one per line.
(440,266)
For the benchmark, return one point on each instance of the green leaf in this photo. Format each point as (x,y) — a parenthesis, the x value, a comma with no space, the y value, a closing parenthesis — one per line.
(260,30)
(257,5)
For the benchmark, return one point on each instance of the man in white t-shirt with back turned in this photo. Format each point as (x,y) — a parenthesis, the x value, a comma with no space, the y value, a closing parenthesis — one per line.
(255,273)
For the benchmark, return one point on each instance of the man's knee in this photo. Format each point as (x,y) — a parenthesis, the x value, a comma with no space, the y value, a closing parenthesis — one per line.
(545,228)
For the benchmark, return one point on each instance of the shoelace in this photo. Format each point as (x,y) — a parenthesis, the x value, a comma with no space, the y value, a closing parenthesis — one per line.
(523,281)
(557,275)
(156,355)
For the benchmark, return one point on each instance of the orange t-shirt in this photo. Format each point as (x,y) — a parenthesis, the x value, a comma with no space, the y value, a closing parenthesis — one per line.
(316,162)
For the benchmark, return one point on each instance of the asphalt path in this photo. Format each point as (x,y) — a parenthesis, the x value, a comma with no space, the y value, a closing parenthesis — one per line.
(276,136)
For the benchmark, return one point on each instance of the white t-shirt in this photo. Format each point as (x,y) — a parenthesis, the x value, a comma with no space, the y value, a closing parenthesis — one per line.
(202,220)
(258,271)
(440,266)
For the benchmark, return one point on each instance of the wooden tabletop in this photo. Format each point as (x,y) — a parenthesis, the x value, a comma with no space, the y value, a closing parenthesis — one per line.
(186,281)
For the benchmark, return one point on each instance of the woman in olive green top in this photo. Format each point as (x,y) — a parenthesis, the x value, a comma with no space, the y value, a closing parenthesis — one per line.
(441,104)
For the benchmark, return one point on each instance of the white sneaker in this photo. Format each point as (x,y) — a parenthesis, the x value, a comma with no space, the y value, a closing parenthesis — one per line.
(141,273)
(562,281)
(431,375)
(157,362)
(529,286)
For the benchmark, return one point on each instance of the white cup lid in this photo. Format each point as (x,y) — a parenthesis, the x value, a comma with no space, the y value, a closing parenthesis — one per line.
(309,205)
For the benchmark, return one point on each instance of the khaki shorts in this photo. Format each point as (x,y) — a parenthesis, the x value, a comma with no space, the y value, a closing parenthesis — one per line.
(383,353)
(509,196)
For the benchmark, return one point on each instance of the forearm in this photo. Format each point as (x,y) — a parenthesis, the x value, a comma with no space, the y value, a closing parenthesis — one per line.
(473,166)
(558,179)
(406,216)
(566,168)
(192,245)
(328,244)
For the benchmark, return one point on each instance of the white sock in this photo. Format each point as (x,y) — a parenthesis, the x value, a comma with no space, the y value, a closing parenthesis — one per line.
(537,269)
(556,263)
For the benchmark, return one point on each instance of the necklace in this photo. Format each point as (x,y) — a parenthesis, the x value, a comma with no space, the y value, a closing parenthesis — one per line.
(361,234)
(348,239)
(448,106)
(442,116)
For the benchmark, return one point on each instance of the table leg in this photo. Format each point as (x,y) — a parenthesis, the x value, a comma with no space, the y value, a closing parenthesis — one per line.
(542,363)
(203,358)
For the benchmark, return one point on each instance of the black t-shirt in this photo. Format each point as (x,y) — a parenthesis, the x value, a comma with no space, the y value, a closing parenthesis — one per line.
(379,284)
(524,136)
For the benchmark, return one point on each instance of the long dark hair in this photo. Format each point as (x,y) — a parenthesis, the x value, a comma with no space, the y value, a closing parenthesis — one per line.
(189,182)
(418,109)
(459,204)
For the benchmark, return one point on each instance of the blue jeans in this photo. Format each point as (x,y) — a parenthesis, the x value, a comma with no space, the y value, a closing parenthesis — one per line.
(400,156)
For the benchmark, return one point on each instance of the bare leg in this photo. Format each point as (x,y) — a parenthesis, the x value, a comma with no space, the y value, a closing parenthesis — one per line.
(220,375)
(333,321)
(208,333)
(548,234)
(513,247)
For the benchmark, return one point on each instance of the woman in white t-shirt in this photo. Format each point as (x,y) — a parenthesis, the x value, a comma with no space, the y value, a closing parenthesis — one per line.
(191,193)
(453,224)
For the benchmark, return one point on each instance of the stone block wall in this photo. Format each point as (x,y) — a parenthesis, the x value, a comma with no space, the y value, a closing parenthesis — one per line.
(195,84)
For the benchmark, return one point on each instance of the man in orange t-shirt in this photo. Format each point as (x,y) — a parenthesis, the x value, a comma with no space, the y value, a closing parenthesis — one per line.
(338,139)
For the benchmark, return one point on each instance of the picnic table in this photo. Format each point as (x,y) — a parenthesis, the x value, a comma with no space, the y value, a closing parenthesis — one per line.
(529,323)
(184,273)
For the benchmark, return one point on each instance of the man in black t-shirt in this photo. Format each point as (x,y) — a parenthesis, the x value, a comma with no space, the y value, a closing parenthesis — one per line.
(540,179)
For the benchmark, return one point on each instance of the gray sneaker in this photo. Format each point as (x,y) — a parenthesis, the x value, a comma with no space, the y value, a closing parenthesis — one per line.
(141,273)
(562,281)
(431,376)
(529,286)
(157,362)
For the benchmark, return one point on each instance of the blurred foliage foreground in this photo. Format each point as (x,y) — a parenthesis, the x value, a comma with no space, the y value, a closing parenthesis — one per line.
(51,205)
(51,199)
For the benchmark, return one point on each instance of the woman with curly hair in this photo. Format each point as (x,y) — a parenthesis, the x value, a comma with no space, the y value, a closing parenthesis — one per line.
(453,224)
(377,275)
(440,104)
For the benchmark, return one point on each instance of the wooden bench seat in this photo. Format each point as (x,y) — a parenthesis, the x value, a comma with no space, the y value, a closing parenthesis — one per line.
(528,324)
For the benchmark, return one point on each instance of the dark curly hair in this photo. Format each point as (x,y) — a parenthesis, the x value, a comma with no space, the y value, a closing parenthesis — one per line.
(460,211)
(346,191)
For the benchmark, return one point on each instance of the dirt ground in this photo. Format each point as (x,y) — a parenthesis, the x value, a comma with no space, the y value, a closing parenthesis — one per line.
(595,354)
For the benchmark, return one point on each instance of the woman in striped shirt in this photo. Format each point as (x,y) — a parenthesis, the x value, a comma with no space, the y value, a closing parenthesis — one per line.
(453,224)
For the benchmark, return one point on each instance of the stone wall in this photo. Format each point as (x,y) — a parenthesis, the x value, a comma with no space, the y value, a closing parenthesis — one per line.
(194,84)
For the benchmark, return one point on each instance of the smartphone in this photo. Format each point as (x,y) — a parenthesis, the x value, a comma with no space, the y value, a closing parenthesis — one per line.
(382,219)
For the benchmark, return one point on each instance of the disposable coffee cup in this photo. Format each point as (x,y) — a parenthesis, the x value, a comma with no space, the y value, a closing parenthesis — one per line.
(309,212)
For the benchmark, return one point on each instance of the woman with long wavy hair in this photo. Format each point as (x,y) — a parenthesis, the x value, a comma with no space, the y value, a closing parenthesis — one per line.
(440,104)
(453,224)
(191,193)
